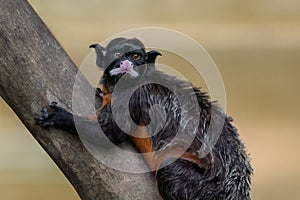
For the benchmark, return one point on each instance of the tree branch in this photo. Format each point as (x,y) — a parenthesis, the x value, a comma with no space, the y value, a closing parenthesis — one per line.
(34,70)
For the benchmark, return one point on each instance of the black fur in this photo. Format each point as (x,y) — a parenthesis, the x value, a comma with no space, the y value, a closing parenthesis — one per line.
(224,173)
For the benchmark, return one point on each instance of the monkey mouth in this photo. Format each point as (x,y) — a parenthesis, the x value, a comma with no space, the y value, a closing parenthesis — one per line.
(125,67)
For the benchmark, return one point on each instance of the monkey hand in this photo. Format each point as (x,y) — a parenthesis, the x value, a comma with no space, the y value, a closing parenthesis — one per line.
(55,116)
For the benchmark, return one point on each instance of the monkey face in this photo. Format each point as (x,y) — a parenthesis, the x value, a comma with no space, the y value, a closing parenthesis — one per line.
(124,56)
(127,61)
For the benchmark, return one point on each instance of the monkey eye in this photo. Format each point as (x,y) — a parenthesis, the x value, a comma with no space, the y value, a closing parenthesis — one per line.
(136,56)
(117,55)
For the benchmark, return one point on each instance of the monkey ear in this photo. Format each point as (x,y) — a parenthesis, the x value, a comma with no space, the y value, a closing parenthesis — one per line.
(100,52)
(150,60)
(151,56)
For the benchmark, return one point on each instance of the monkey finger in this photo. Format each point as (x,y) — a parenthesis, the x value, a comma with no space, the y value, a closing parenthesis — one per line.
(45,112)
(47,124)
(54,106)
(38,119)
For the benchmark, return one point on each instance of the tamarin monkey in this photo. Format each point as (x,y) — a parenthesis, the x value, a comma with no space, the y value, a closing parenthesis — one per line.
(222,174)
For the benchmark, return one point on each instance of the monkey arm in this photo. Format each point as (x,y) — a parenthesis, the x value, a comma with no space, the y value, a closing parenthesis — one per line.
(90,128)
(60,118)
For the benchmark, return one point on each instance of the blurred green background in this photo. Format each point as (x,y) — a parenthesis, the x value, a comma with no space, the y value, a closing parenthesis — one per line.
(255,44)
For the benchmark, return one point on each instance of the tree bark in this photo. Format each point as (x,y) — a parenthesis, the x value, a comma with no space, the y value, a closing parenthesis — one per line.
(35,70)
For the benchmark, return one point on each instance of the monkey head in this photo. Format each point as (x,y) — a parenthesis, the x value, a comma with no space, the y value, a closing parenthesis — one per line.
(124,56)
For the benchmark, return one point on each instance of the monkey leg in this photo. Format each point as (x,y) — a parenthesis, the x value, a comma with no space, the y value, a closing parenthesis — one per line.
(153,158)
(144,144)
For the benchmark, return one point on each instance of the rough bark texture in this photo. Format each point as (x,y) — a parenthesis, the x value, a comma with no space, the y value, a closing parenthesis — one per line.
(34,70)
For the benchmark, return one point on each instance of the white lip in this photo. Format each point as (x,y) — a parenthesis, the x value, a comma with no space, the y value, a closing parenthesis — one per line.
(117,71)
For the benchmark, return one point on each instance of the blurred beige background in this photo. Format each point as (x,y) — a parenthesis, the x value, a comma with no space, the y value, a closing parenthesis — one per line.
(255,44)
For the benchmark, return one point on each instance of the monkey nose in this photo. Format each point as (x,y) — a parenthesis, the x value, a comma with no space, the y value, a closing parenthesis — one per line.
(126,65)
